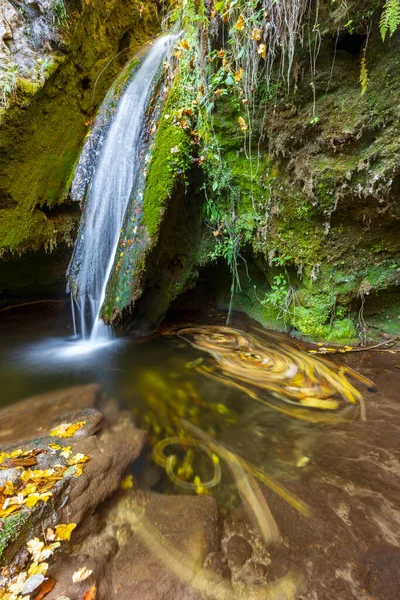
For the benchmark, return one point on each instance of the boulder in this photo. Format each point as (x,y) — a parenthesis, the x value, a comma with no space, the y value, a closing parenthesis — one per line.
(106,441)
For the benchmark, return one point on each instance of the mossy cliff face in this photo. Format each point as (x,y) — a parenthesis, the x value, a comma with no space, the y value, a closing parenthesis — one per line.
(49,110)
(334,206)
(320,181)
(161,241)
(314,190)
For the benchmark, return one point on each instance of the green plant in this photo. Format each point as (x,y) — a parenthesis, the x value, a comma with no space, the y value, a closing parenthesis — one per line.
(59,13)
(277,297)
(390,19)
(8,84)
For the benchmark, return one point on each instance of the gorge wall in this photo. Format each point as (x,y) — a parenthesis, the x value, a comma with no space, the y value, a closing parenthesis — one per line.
(290,195)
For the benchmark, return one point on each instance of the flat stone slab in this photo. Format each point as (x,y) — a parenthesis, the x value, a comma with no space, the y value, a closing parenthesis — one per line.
(141,545)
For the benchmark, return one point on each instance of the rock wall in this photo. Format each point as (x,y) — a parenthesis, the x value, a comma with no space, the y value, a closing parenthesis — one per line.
(313,191)
(59,63)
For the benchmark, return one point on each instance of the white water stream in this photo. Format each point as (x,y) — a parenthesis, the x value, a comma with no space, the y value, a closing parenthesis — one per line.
(110,190)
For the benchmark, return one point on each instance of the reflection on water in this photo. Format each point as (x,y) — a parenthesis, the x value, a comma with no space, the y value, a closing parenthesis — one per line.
(328,488)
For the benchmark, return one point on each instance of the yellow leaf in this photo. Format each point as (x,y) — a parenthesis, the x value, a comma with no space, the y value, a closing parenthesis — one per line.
(29,489)
(81,574)
(239,74)
(66,453)
(221,53)
(66,430)
(78,459)
(38,568)
(240,23)
(8,489)
(16,453)
(8,511)
(317,403)
(184,44)
(33,499)
(127,483)
(256,35)
(262,49)
(242,124)
(78,470)
(55,447)
(63,532)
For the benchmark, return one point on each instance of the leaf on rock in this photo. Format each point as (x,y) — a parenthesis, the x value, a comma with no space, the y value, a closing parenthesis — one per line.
(90,594)
(63,532)
(38,568)
(66,430)
(45,588)
(78,459)
(33,499)
(32,583)
(9,488)
(127,483)
(81,574)
(28,461)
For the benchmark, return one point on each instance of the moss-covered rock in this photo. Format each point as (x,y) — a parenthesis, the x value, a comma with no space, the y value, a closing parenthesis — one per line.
(327,217)
(47,119)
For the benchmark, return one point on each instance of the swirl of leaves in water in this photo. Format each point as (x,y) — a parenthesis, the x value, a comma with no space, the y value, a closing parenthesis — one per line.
(276,367)
(168,463)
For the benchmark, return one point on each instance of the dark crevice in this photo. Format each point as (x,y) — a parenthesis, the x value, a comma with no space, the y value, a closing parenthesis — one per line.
(351,43)
(59,209)
(85,83)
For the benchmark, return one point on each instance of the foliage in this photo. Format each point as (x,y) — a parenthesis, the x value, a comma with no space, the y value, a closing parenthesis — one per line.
(278,295)
(364,75)
(390,19)
(8,84)
(59,13)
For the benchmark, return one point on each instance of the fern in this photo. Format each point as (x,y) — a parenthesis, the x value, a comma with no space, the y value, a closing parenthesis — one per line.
(364,76)
(390,19)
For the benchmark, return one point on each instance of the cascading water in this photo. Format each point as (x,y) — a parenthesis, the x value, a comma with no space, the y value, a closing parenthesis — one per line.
(110,189)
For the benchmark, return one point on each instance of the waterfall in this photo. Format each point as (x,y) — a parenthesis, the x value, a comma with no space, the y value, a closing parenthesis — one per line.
(117,168)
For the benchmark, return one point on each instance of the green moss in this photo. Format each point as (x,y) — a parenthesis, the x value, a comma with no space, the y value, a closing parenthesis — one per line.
(161,177)
(11,528)
(44,127)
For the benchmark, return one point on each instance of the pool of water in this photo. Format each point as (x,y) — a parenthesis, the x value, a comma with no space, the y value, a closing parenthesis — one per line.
(345,473)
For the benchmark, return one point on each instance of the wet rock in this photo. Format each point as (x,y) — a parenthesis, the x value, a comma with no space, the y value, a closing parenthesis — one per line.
(238,550)
(253,573)
(107,436)
(142,546)
(217,564)
(381,572)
